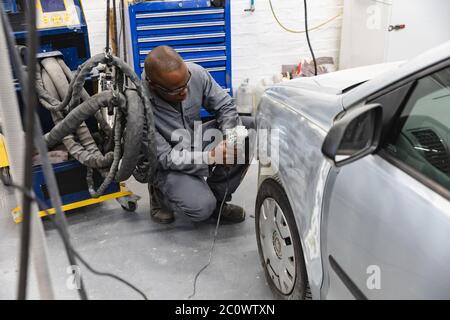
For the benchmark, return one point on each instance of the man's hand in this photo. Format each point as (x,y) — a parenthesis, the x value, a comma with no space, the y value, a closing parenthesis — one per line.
(223,155)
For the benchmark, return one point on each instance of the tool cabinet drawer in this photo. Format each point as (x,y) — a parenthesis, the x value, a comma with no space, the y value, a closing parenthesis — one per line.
(198,30)
(180,16)
(192,52)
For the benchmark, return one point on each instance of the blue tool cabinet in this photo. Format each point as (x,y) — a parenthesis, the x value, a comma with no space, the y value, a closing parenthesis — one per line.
(199,30)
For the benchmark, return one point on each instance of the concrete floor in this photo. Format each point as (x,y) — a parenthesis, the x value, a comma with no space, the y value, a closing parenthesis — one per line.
(160,260)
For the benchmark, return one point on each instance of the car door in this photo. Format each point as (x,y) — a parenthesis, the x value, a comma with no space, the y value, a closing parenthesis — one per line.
(386,217)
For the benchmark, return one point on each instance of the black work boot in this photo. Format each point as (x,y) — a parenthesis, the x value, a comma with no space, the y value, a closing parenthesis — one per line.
(230,213)
(158,212)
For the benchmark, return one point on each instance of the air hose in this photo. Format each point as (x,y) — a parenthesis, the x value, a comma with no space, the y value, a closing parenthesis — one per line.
(82,147)
(71,106)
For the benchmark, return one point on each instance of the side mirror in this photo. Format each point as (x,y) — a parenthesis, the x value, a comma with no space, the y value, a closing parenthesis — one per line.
(354,136)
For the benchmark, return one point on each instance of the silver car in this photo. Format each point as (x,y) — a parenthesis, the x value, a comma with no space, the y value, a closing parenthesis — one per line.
(353,201)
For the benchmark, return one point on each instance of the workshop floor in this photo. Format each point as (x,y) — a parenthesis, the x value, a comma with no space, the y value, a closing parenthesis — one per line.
(160,260)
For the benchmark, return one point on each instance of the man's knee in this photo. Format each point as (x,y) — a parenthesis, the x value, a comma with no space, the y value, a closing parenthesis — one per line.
(200,208)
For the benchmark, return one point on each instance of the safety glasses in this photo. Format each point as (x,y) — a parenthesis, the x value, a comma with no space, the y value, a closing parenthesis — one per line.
(173,92)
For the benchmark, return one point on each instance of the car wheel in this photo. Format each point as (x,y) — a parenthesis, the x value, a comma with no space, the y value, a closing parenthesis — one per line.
(279,244)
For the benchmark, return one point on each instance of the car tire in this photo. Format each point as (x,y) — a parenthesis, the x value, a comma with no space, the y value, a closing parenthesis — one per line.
(270,190)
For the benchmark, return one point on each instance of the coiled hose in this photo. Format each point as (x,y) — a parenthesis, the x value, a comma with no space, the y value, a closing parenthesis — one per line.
(81,145)
(70,106)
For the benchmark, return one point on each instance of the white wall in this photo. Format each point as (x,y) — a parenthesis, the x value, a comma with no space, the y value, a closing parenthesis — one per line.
(366,39)
(259,45)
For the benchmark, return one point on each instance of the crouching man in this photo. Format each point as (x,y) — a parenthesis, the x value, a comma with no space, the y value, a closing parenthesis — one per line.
(195,188)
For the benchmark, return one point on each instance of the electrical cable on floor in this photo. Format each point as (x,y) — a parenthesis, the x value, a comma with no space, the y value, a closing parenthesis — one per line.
(307,37)
(59,228)
(300,31)
(214,238)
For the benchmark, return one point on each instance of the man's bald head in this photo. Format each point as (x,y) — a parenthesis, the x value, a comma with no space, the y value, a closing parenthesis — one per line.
(167,73)
(162,59)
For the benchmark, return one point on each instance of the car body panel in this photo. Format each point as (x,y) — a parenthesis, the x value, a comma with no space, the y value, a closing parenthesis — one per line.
(301,171)
(388,222)
(316,107)
(341,81)
(303,111)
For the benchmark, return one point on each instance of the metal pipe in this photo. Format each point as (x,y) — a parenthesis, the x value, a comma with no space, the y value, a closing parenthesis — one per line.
(115,28)
(108,18)
(124,34)
(32,44)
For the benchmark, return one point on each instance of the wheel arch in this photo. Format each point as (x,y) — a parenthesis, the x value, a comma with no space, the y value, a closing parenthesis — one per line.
(309,232)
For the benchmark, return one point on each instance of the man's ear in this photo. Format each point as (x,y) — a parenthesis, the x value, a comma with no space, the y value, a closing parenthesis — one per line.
(149,82)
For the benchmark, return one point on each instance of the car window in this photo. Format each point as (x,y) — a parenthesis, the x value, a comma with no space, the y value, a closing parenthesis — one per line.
(421,137)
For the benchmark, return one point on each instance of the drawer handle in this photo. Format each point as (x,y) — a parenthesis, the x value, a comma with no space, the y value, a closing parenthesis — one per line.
(188,50)
(199,60)
(216,69)
(181,25)
(179,13)
(209,59)
(188,37)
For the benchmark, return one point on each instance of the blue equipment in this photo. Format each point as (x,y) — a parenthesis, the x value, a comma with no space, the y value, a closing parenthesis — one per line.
(61,24)
(62,31)
(199,30)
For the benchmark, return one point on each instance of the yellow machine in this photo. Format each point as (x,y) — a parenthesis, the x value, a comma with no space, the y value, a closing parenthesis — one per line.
(4,162)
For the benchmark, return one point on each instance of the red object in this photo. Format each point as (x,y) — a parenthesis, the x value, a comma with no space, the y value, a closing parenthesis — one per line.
(299,68)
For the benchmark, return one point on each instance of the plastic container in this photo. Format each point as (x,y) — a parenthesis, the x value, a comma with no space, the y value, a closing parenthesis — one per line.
(245,96)
(262,85)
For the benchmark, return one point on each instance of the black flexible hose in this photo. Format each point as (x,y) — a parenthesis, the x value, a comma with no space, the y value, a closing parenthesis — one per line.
(149,163)
(146,162)
(77,116)
(115,165)
(30,106)
(53,79)
(307,37)
(134,128)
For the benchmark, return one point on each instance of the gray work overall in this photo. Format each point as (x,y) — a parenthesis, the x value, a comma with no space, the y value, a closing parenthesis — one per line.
(189,188)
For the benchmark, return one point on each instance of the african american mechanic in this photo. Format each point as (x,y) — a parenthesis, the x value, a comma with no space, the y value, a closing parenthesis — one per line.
(178,90)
